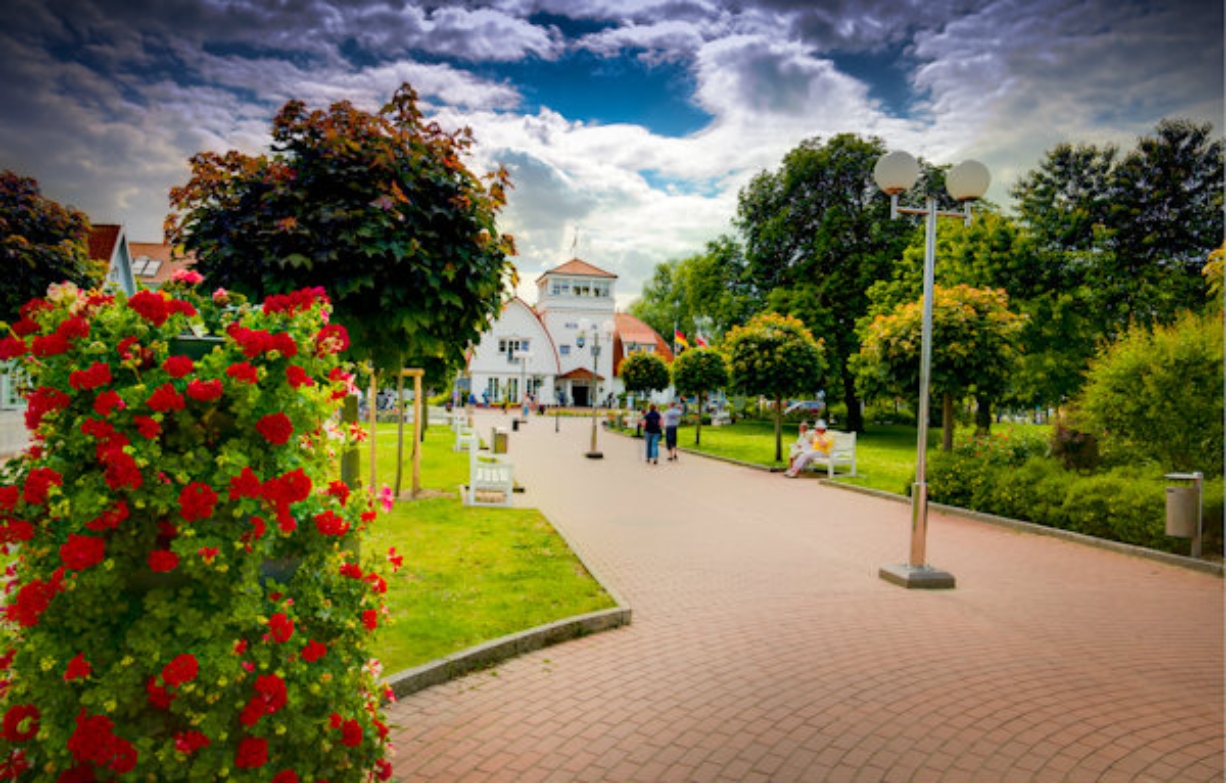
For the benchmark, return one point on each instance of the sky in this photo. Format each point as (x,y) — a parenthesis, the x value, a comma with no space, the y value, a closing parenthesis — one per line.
(628,126)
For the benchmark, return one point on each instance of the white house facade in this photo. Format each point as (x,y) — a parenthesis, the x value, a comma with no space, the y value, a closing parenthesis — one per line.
(563,351)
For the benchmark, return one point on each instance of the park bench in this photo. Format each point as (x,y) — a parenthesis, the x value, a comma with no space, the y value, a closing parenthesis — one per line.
(720,418)
(491,479)
(842,453)
(465,437)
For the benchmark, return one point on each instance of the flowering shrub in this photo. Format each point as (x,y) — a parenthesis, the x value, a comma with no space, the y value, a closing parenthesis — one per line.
(186,601)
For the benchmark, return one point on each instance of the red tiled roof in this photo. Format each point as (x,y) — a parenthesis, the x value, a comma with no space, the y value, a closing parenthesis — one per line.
(102,239)
(577,267)
(580,374)
(158,252)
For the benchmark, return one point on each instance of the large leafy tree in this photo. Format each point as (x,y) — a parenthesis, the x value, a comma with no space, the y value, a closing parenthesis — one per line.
(41,242)
(1157,393)
(700,372)
(379,209)
(1128,234)
(707,292)
(817,234)
(975,340)
(644,372)
(775,356)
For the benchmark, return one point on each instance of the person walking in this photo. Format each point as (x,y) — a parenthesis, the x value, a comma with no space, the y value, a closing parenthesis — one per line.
(651,431)
(672,420)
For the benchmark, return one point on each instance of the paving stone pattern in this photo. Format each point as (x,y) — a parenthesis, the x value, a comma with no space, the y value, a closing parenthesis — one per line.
(764,647)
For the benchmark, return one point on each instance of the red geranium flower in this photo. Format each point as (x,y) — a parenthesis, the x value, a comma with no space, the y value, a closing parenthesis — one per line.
(370,619)
(78,668)
(179,366)
(276,428)
(39,483)
(333,338)
(243,372)
(33,599)
(252,753)
(107,402)
(285,776)
(188,742)
(197,501)
(281,626)
(158,696)
(94,741)
(43,401)
(245,485)
(297,377)
(21,723)
(151,305)
(166,398)
(82,552)
(109,519)
(9,495)
(122,470)
(329,524)
(50,345)
(163,560)
(314,651)
(208,554)
(12,347)
(204,391)
(351,733)
(183,668)
(147,426)
(98,374)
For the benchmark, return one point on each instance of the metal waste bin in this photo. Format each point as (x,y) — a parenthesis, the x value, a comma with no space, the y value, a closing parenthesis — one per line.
(1183,509)
(515,425)
(498,441)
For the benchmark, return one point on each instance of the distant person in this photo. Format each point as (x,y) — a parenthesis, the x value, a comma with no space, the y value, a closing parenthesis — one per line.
(651,431)
(820,444)
(672,420)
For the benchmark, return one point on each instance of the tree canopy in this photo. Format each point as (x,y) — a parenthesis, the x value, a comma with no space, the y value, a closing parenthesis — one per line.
(700,371)
(775,356)
(975,342)
(644,372)
(41,243)
(379,209)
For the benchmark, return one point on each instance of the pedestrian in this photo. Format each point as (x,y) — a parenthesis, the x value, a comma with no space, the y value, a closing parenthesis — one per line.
(820,444)
(672,420)
(651,431)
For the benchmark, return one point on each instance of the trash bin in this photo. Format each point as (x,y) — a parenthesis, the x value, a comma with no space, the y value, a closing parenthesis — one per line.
(1183,509)
(498,441)
(514,425)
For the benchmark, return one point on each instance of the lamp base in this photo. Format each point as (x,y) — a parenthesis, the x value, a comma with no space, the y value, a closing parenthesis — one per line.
(594,455)
(917,577)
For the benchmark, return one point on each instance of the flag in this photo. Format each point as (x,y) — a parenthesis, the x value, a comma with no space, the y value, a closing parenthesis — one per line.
(679,340)
(699,340)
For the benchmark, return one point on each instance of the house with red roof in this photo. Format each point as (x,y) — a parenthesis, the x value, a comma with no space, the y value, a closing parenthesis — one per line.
(566,349)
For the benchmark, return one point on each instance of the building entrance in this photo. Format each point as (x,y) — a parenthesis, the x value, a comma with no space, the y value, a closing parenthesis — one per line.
(580,394)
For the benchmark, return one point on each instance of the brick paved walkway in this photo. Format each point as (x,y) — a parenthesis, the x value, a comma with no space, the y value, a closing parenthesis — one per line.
(765,648)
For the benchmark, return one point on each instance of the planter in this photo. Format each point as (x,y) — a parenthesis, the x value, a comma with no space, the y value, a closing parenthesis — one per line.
(196,348)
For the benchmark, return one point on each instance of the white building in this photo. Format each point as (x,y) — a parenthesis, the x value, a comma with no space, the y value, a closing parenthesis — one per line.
(544,350)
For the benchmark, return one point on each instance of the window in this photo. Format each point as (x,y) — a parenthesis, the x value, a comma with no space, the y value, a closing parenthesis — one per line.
(564,350)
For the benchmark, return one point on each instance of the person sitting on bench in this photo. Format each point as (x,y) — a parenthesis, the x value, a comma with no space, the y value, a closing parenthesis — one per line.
(819,445)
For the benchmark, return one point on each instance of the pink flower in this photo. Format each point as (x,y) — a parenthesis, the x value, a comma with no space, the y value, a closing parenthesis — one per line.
(188,276)
(387,499)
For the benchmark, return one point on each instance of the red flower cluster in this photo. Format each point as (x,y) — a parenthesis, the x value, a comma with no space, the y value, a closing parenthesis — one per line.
(166,398)
(147,426)
(78,668)
(39,483)
(178,366)
(329,524)
(297,377)
(183,668)
(49,345)
(107,402)
(197,501)
(258,341)
(281,626)
(21,723)
(298,301)
(252,753)
(156,307)
(98,374)
(82,552)
(204,391)
(109,519)
(285,776)
(12,347)
(276,428)
(188,742)
(333,338)
(162,561)
(314,651)
(33,599)
(270,696)
(243,371)
(370,619)
(43,401)
(95,742)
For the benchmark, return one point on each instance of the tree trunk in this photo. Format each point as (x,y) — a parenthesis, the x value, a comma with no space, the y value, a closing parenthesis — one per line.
(855,418)
(983,415)
(778,429)
(351,460)
(702,399)
(947,423)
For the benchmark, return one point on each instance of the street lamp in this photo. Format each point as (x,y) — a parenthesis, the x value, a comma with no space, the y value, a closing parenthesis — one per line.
(605,331)
(896,173)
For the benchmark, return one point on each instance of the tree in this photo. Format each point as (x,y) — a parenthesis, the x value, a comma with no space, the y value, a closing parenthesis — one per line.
(1158,393)
(708,292)
(41,243)
(644,372)
(699,372)
(775,356)
(817,234)
(974,348)
(379,209)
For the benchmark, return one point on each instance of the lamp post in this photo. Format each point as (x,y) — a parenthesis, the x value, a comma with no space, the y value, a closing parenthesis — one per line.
(896,173)
(524,357)
(606,331)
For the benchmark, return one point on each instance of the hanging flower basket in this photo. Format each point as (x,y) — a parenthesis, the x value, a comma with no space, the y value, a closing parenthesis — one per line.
(185,603)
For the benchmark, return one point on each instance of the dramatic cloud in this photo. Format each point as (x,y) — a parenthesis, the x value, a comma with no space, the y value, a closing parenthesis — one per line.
(631,124)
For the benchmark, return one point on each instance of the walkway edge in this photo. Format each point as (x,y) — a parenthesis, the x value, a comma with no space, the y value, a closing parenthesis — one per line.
(491,653)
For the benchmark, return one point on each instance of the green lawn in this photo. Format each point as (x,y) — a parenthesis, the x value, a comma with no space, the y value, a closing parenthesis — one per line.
(470,575)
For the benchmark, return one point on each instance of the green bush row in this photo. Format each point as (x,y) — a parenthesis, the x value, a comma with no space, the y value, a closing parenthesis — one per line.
(1126,504)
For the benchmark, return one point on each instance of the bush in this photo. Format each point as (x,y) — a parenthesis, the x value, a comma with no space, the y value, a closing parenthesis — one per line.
(1075,449)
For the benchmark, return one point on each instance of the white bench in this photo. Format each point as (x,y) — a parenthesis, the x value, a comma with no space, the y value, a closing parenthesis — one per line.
(491,479)
(720,418)
(465,437)
(842,453)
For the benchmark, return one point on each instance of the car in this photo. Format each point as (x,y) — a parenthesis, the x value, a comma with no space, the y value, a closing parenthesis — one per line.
(805,406)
